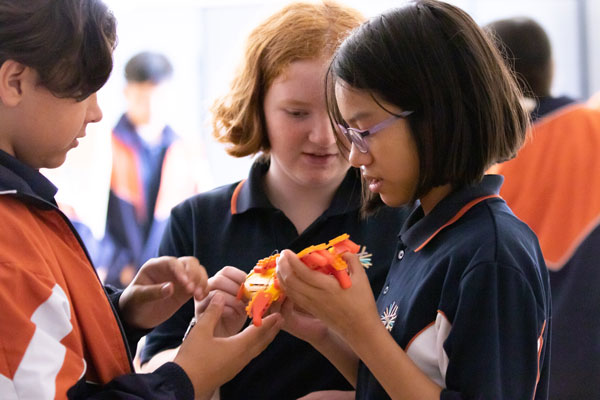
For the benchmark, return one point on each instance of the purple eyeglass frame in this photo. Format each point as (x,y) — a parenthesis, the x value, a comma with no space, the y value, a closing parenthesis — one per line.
(358,136)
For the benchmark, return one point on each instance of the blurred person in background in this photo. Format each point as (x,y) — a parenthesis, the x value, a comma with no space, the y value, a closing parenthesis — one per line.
(528,52)
(552,186)
(153,169)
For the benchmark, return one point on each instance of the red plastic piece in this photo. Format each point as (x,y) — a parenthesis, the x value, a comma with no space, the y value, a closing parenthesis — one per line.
(259,305)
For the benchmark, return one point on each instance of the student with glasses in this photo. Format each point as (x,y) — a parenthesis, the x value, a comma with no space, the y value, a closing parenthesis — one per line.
(300,191)
(424,106)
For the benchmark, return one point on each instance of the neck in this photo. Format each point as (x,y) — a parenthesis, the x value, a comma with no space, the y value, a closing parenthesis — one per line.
(434,196)
(301,204)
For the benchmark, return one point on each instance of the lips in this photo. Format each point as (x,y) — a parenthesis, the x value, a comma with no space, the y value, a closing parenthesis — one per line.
(373,183)
(320,158)
(319,154)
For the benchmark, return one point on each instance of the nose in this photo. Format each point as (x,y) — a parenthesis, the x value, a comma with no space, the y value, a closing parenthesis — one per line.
(321,132)
(94,113)
(357,158)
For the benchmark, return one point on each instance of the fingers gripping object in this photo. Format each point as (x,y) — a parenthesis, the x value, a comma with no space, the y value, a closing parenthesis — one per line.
(262,288)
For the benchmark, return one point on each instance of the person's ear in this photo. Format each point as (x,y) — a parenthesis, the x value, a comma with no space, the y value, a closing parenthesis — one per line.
(12,75)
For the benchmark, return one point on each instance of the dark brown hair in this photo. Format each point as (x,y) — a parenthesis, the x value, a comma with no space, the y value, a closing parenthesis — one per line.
(527,50)
(432,58)
(68,42)
(299,31)
(148,66)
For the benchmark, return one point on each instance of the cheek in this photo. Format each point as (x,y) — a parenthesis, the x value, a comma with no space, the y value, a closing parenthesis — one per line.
(284,134)
(401,160)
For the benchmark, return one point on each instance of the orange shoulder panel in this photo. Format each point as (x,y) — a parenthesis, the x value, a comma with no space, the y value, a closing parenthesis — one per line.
(552,184)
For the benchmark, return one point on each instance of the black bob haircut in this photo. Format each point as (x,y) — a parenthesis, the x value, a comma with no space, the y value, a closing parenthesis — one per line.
(432,58)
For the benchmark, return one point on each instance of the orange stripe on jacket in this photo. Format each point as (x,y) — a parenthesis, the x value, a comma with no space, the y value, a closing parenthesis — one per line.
(552,185)
(125,179)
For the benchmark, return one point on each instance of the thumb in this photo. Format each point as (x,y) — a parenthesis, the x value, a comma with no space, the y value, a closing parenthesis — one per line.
(213,311)
(148,293)
(353,262)
(258,338)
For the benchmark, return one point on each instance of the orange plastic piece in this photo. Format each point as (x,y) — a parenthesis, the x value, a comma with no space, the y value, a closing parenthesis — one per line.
(258,306)
(262,288)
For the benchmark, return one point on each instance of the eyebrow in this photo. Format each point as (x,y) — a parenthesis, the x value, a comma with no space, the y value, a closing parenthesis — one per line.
(358,116)
(295,103)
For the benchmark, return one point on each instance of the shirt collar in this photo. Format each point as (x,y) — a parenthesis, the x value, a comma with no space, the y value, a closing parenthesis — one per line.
(419,229)
(15,175)
(250,192)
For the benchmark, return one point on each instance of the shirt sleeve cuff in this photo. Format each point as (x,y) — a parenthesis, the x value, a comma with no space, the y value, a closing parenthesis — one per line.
(176,379)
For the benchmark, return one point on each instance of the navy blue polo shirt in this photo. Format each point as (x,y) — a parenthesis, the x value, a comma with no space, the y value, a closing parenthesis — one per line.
(237,225)
(467,297)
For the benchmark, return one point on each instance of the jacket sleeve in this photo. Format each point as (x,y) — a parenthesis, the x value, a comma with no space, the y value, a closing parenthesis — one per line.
(167,382)
(498,339)
(133,335)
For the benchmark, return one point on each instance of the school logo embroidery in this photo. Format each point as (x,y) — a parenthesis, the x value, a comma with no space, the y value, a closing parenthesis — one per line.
(388,318)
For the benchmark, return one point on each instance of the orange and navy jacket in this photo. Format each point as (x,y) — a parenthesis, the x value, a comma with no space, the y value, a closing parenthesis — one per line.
(138,207)
(553,185)
(60,336)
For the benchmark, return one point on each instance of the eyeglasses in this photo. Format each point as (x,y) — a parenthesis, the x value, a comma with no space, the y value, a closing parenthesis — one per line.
(358,136)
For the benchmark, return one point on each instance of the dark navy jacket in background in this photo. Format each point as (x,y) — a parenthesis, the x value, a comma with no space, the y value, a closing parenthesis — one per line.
(467,297)
(132,231)
(237,225)
(548,105)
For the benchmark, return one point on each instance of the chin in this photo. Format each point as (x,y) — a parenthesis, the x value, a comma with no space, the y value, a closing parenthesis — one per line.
(55,162)
(393,202)
(324,179)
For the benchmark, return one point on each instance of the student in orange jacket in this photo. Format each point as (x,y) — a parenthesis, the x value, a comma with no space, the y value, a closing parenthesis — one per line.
(62,335)
(552,185)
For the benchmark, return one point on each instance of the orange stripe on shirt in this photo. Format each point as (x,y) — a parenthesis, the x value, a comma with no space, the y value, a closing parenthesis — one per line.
(234,197)
(459,214)
(540,347)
